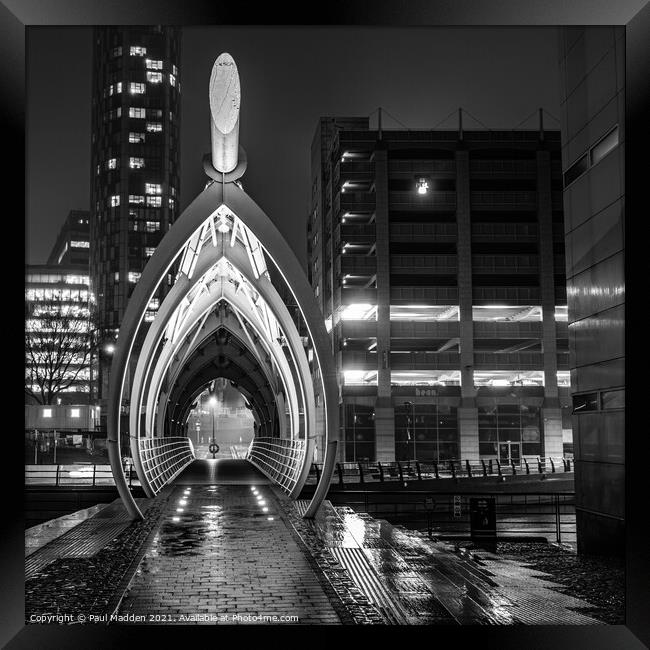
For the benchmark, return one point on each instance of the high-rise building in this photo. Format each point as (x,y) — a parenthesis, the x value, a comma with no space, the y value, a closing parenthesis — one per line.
(134,165)
(438,261)
(72,245)
(592,73)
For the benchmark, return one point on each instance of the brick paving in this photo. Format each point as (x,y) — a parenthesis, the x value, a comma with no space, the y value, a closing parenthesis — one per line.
(224,560)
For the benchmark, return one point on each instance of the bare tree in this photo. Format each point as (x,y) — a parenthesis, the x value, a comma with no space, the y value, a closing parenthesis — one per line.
(57,349)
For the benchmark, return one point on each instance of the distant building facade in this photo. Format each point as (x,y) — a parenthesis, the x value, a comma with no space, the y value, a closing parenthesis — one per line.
(438,261)
(592,73)
(72,245)
(135,186)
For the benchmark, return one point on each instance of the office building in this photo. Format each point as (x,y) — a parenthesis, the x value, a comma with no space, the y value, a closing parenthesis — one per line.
(72,246)
(438,261)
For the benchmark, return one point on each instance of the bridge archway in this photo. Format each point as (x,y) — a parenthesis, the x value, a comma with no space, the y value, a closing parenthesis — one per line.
(224,316)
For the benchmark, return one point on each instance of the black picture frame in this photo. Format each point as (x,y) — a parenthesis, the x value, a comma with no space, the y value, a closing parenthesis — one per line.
(16,15)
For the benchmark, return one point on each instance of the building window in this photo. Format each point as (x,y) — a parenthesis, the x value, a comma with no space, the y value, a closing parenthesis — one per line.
(426,432)
(172,80)
(154,77)
(115,89)
(113,114)
(111,163)
(152,188)
(149,316)
(604,146)
(137,50)
(359,433)
(149,251)
(154,127)
(134,276)
(154,304)
(585,402)
(171,203)
(136,112)
(47,413)
(154,201)
(115,201)
(136,163)
(509,431)
(136,199)
(578,168)
(136,138)
(152,226)
(80,244)
(154,64)
(137,88)
(174,69)
(75,413)
(117,51)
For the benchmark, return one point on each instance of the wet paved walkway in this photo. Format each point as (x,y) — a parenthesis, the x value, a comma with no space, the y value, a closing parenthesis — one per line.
(223,554)
(224,545)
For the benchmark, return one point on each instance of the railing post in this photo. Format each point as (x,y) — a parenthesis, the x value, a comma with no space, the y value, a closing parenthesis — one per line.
(453,469)
(558,523)
(552,465)
(469,469)
(498,466)
(484,468)
(435,469)
(564,463)
(58,467)
(94,473)
(514,471)
(568,464)
(539,464)
(490,470)
(417,467)
(381,472)
(340,473)
(360,473)
(527,467)
(401,474)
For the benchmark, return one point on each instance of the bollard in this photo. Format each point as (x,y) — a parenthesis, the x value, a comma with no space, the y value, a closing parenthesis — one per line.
(484,468)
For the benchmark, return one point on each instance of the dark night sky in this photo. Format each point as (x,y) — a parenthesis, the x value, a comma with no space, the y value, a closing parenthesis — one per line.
(289,77)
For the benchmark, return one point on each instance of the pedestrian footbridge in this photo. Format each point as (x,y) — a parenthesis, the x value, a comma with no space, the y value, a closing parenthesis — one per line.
(240,308)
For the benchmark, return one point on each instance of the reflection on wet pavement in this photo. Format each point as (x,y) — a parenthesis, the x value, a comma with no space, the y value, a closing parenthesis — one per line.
(428,582)
(224,550)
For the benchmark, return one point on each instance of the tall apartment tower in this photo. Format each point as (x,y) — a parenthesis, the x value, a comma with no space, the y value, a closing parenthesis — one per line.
(592,74)
(135,166)
(438,261)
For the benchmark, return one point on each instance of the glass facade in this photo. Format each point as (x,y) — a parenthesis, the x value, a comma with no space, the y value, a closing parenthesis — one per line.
(426,432)
(509,432)
(359,432)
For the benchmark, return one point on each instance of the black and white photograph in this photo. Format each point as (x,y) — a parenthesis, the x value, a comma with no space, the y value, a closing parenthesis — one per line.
(325,325)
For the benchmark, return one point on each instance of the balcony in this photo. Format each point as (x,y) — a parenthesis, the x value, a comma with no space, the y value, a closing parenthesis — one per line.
(430,329)
(352,233)
(508,361)
(354,202)
(521,200)
(424,360)
(400,232)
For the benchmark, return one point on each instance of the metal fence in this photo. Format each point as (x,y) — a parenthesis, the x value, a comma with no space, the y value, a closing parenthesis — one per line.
(548,515)
(378,472)
(77,475)
(164,458)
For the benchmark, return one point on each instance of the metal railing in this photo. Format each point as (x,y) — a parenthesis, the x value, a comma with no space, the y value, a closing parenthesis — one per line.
(282,460)
(164,458)
(80,474)
(380,472)
(518,514)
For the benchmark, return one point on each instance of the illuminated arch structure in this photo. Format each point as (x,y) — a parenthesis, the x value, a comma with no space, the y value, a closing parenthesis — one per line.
(223,317)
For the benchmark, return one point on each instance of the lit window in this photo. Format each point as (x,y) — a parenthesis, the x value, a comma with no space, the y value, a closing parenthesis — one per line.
(424,312)
(116,277)
(137,88)
(136,138)
(98,169)
(154,127)
(137,50)
(154,64)
(136,163)
(152,188)
(561,313)
(154,303)
(115,201)
(360,377)
(604,146)
(134,198)
(174,69)
(171,203)
(117,51)
(152,226)
(47,413)
(134,276)
(136,112)
(148,251)
(75,413)
(80,244)
(359,312)
(112,163)
(154,77)
(149,316)
(154,201)
(114,89)
(172,80)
